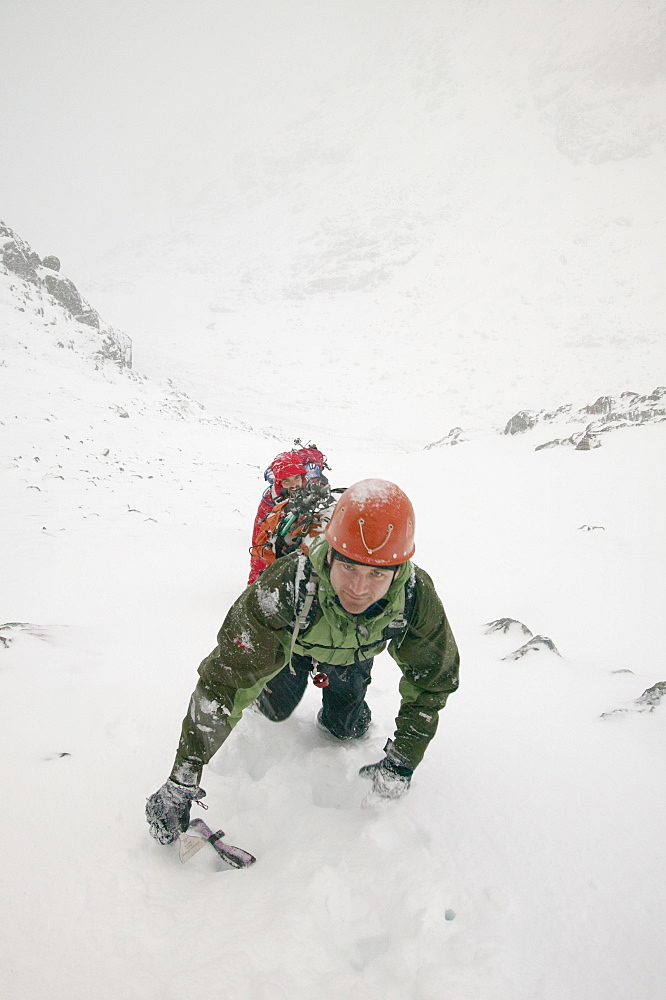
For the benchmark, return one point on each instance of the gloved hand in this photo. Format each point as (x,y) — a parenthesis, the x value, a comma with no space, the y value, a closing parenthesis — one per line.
(390,776)
(168,809)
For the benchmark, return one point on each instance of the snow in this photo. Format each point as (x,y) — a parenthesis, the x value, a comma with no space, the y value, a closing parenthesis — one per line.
(353,286)
(535,820)
(268,600)
(369,491)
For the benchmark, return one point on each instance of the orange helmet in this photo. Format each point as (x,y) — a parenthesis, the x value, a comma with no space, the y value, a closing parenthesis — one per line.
(373,523)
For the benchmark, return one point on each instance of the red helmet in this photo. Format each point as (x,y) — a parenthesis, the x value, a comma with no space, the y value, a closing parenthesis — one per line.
(373,523)
(287,463)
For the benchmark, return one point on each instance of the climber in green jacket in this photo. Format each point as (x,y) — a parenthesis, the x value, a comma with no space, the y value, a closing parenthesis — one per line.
(327,613)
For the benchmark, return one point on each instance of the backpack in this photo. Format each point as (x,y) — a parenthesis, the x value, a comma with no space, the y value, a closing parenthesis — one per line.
(294,522)
(312,458)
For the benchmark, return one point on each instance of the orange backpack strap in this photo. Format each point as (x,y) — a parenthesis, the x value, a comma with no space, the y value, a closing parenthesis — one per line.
(263,547)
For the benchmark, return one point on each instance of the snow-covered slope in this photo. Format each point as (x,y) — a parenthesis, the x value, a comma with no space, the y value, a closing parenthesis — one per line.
(454,223)
(527,859)
(43,312)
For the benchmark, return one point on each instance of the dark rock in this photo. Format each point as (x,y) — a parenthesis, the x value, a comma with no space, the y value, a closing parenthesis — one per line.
(647,702)
(538,644)
(588,442)
(652,696)
(555,443)
(16,261)
(522,421)
(19,258)
(602,406)
(453,437)
(557,414)
(570,442)
(65,292)
(657,395)
(611,413)
(506,625)
(90,318)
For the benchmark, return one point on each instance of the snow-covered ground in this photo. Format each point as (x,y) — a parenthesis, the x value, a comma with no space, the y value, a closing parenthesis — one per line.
(467,227)
(534,820)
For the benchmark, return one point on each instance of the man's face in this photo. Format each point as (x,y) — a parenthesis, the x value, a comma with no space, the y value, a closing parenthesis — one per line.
(357,586)
(292,483)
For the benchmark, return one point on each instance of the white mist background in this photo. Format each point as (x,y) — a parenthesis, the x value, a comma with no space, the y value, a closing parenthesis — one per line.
(365,223)
(481,182)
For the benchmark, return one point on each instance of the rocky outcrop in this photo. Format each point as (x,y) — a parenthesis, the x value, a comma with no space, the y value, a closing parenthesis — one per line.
(507,625)
(455,436)
(516,629)
(525,420)
(20,261)
(647,702)
(537,644)
(629,409)
(65,292)
(522,421)
(652,696)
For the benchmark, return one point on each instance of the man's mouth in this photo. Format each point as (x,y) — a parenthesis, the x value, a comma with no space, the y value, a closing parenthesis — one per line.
(354,600)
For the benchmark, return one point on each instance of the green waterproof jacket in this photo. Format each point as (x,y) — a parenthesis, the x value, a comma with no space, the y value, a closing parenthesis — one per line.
(257,635)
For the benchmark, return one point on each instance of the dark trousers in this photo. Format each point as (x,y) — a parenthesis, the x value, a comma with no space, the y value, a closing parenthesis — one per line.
(344,711)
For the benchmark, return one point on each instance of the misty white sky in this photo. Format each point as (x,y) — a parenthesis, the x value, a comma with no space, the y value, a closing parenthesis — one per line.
(115,116)
(489,175)
(120,112)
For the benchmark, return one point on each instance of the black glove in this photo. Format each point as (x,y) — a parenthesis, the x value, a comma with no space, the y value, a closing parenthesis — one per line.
(390,776)
(168,809)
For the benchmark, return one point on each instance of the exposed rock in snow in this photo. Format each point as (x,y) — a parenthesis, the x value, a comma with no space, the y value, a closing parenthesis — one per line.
(11,630)
(37,288)
(507,625)
(626,410)
(629,409)
(652,696)
(455,436)
(537,644)
(65,292)
(522,421)
(647,702)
